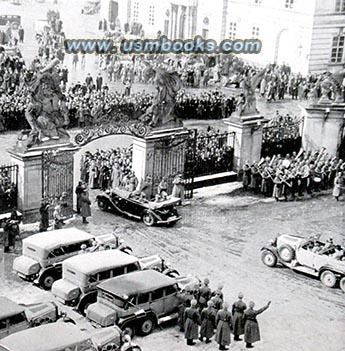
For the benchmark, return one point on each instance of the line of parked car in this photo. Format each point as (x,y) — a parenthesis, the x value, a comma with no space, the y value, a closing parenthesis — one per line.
(109,286)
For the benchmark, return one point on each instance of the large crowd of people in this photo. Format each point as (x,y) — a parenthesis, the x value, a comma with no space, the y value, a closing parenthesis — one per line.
(294,175)
(107,169)
(210,154)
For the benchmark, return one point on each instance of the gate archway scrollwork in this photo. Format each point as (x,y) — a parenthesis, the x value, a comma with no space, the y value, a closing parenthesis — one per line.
(89,134)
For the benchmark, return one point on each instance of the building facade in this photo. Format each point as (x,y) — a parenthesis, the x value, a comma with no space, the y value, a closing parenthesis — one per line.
(328,36)
(307,35)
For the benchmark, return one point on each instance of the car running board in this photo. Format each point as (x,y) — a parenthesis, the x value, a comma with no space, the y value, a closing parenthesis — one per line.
(167,318)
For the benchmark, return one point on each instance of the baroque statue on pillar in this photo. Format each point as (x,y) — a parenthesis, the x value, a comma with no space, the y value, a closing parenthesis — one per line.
(46,111)
(331,86)
(161,114)
(247,103)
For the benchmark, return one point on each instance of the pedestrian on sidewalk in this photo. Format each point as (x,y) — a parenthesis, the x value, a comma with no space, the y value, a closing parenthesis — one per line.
(85,206)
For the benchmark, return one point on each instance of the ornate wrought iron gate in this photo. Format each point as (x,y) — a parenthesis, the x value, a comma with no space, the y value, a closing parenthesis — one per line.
(169,159)
(57,179)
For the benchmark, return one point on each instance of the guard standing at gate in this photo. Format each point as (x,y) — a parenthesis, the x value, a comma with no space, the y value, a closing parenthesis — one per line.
(11,230)
(44,213)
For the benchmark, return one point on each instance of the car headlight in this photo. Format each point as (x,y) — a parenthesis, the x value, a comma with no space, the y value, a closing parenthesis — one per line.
(34,268)
(73,294)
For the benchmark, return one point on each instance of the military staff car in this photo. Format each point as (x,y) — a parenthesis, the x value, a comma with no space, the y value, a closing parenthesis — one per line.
(43,253)
(138,302)
(81,274)
(150,212)
(65,337)
(309,256)
(15,317)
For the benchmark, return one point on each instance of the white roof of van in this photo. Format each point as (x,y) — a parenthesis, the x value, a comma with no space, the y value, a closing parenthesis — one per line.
(90,263)
(56,238)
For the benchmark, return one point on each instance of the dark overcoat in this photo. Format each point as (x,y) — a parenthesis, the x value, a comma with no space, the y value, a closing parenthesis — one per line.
(85,205)
(192,321)
(208,322)
(238,309)
(251,326)
(224,324)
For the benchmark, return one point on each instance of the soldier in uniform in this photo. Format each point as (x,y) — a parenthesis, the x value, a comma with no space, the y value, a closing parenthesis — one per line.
(224,326)
(218,300)
(238,309)
(251,326)
(208,322)
(204,294)
(246,175)
(192,322)
(185,299)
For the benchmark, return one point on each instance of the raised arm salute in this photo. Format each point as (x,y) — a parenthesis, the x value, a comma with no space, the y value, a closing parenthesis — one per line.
(251,326)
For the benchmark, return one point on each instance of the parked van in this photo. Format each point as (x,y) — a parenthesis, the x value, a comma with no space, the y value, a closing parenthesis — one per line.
(15,317)
(43,253)
(63,337)
(137,302)
(81,274)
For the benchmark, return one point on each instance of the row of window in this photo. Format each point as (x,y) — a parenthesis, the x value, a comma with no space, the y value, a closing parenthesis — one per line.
(114,272)
(140,298)
(288,3)
(233,28)
(68,249)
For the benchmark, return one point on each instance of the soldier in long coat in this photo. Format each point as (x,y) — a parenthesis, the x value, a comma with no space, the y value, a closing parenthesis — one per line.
(224,326)
(204,294)
(208,322)
(85,206)
(251,326)
(185,299)
(238,309)
(192,322)
(246,175)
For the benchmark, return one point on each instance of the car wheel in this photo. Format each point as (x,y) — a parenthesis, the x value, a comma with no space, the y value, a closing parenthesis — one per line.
(147,326)
(47,281)
(286,253)
(342,284)
(328,279)
(102,204)
(148,219)
(129,329)
(269,258)
(83,305)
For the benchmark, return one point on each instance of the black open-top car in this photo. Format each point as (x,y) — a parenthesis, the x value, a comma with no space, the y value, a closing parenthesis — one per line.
(150,212)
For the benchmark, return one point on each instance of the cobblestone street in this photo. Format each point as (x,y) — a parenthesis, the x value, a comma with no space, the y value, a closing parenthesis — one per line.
(220,237)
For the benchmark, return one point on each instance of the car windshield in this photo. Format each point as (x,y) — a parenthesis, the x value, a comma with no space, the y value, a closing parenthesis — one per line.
(116,300)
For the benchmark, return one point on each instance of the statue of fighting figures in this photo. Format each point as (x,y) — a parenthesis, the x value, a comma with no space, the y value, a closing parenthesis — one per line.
(331,86)
(161,114)
(46,111)
(247,102)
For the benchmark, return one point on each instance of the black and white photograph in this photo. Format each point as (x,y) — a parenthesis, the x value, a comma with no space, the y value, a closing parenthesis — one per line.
(172,175)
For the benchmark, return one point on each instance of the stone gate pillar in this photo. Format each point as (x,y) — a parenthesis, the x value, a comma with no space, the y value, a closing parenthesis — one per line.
(31,180)
(248,138)
(322,127)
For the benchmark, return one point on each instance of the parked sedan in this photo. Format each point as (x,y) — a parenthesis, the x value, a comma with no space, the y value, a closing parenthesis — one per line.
(150,212)
(307,255)
(15,317)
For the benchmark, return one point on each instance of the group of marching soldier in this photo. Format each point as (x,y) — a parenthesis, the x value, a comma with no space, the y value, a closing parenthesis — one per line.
(294,175)
(203,313)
